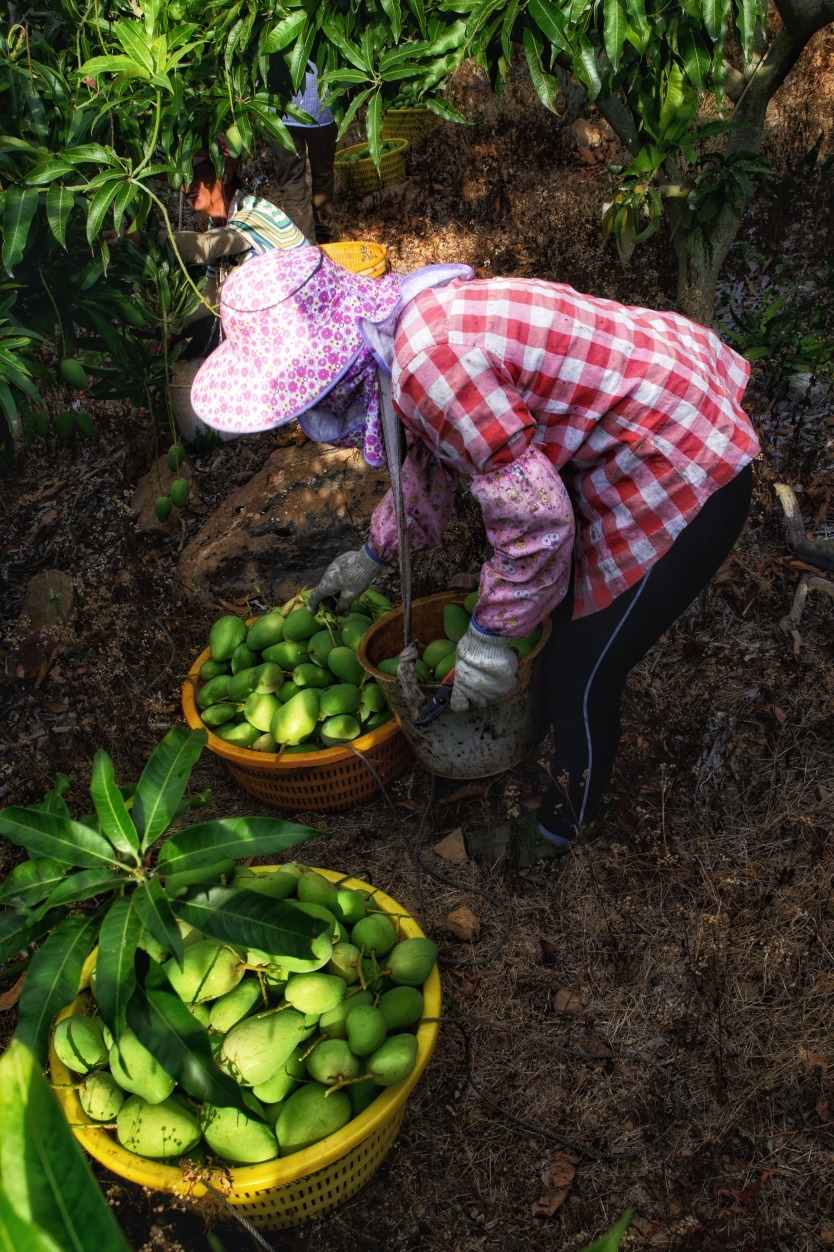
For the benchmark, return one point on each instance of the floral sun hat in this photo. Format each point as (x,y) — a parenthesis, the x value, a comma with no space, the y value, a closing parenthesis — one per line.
(291,325)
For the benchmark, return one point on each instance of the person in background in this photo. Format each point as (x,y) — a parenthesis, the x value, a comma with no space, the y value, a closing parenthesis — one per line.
(313,215)
(242,226)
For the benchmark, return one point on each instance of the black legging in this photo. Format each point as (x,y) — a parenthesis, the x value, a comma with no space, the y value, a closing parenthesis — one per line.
(587,661)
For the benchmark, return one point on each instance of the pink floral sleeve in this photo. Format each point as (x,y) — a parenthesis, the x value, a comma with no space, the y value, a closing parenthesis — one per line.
(429,491)
(529,520)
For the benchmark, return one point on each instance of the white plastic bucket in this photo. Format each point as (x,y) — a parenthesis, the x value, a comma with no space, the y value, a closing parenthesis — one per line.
(475,744)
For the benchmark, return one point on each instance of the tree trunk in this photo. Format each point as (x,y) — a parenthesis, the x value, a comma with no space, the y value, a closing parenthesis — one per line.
(700,257)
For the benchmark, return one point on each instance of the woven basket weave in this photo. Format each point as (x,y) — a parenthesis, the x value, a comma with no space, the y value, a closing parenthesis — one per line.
(361,177)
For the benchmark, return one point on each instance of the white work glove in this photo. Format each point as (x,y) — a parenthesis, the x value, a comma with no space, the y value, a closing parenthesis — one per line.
(350,574)
(485,669)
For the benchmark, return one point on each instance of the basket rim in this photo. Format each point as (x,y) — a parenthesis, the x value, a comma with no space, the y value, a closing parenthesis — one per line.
(282,1171)
(268,763)
(344,244)
(448,597)
(411,108)
(402,145)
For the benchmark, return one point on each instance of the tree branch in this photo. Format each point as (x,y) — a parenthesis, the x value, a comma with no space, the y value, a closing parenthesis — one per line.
(619,118)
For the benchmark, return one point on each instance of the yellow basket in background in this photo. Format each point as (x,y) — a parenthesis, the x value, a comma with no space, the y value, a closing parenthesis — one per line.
(411,124)
(289,1190)
(360,256)
(361,177)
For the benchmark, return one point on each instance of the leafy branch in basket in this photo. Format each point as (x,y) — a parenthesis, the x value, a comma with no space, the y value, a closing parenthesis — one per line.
(90,882)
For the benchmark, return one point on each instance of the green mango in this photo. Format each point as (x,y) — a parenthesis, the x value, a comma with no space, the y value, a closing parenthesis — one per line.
(225,635)
(309,675)
(236,1137)
(287,690)
(348,906)
(134,1069)
(162,509)
(202,1013)
(353,631)
(84,426)
(318,910)
(314,888)
(212,669)
(286,654)
(261,709)
(65,424)
(436,651)
(176,456)
(310,1115)
(373,698)
(277,884)
(258,1046)
(389,666)
(332,1024)
(265,743)
(243,683)
(378,719)
(362,1094)
(393,1060)
(161,1129)
(470,602)
(301,625)
(344,663)
(296,749)
(284,1081)
(79,1044)
(332,1061)
(231,1008)
(241,735)
(217,714)
(366,1029)
(411,961)
(297,719)
(72,372)
(209,969)
(402,1006)
(335,701)
(101,1096)
(524,646)
(422,671)
(270,677)
(443,668)
(455,622)
(180,488)
(376,933)
(337,730)
(265,632)
(321,645)
(345,962)
(315,993)
(215,690)
(244,658)
(220,871)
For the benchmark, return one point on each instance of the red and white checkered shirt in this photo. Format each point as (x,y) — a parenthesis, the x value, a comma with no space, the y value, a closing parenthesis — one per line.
(639,411)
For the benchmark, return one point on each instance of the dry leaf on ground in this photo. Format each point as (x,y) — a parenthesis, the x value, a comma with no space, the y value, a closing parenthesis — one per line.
(558,1178)
(453,847)
(566,1001)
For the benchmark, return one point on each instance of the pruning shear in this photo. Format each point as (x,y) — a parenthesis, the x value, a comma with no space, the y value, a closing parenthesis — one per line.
(439,702)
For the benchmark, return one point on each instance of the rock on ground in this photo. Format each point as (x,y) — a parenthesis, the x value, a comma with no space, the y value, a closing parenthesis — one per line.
(281,529)
(49,600)
(463,924)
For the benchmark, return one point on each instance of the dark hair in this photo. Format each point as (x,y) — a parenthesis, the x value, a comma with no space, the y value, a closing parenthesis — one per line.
(206,174)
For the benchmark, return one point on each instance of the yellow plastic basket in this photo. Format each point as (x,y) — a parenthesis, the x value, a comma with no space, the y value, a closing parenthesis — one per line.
(361,177)
(290,1190)
(360,256)
(411,124)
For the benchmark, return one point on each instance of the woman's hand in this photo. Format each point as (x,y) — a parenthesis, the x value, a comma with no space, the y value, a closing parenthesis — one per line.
(350,574)
(485,670)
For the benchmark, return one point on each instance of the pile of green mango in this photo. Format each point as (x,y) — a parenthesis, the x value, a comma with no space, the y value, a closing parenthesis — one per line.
(292,679)
(312,1043)
(350,158)
(438,657)
(180,488)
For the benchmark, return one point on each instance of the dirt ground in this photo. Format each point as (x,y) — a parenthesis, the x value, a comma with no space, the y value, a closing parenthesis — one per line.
(690,949)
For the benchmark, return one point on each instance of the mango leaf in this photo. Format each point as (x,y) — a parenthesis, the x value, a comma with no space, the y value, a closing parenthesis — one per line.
(551,22)
(611,1241)
(47,172)
(78,887)
(112,65)
(154,910)
(696,59)
(20,927)
(49,834)
(282,35)
(352,109)
(53,977)
(373,126)
(746,25)
(615,28)
(639,32)
(249,919)
(99,205)
(31,881)
(445,110)
(587,69)
(544,84)
(43,1167)
(111,809)
(230,838)
(19,1235)
(714,16)
(160,1021)
(52,801)
(163,781)
(59,202)
(115,967)
(200,801)
(93,153)
(19,209)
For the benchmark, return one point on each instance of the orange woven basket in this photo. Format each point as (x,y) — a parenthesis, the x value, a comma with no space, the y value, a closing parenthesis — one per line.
(330,780)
